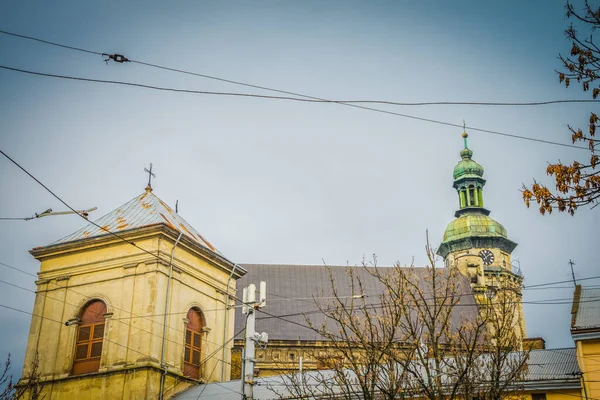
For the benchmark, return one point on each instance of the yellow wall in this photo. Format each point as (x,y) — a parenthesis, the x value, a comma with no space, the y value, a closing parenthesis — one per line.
(133,284)
(588,357)
(499,275)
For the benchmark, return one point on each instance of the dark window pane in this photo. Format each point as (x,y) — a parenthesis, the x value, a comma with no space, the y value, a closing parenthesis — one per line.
(186,357)
(98,331)
(188,337)
(196,340)
(81,352)
(196,357)
(84,333)
(96,349)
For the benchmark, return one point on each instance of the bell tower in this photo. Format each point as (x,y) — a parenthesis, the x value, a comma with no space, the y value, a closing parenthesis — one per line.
(477,244)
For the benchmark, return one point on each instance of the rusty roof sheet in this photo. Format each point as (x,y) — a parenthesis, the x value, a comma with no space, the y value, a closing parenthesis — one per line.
(142,211)
(588,309)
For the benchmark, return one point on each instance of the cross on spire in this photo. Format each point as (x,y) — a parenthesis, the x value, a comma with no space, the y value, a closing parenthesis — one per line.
(464,135)
(150,176)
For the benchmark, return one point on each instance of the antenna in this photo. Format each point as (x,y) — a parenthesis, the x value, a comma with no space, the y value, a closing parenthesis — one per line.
(571,263)
(262,298)
(251,293)
(245,301)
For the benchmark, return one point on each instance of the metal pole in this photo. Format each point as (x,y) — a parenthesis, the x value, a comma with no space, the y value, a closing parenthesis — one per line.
(249,354)
(225,324)
(164,341)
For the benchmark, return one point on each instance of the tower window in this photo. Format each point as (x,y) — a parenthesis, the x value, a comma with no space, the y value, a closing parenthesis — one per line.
(90,335)
(472,196)
(193,344)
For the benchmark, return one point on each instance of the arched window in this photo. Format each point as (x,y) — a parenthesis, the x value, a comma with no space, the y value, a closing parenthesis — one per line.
(193,344)
(88,347)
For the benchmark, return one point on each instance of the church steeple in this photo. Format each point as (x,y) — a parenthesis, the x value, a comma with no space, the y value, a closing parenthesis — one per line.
(473,228)
(475,243)
(469,182)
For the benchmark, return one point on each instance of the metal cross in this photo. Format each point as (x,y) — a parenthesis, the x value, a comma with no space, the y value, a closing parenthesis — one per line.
(150,174)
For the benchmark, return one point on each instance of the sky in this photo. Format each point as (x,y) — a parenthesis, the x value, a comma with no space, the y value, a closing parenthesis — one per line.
(270,181)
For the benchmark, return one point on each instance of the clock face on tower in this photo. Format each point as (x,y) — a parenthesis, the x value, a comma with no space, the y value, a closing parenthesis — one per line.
(487,257)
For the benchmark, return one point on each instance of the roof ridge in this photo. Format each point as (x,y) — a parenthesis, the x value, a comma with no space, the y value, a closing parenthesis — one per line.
(143,210)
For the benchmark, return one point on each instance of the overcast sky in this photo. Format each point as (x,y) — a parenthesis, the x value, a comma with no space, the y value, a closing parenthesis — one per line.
(269,181)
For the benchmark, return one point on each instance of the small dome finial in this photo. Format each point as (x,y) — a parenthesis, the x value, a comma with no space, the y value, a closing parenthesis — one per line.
(465,135)
(148,189)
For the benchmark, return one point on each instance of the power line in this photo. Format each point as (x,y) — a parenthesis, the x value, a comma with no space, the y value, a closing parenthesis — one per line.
(471,128)
(50,43)
(424,103)
(76,306)
(82,216)
(62,323)
(18,270)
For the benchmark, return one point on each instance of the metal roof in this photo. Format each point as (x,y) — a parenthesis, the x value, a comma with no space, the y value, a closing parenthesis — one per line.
(142,211)
(543,365)
(293,289)
(587,309)
(552,364)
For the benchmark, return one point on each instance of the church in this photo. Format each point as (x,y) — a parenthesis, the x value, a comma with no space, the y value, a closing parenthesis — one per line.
(140,305)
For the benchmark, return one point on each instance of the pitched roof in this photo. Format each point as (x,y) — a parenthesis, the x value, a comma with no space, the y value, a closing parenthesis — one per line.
(141,211)
(292,288)
(586,309)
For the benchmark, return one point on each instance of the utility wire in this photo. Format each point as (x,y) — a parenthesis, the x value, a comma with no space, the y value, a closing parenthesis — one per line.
(541,286)
(77,306)
(424,103)
(62,323)
(83,217)
(471,128)
(50,43)
(349,103)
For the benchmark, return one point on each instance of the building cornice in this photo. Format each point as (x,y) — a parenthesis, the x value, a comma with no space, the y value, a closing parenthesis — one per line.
(133,235)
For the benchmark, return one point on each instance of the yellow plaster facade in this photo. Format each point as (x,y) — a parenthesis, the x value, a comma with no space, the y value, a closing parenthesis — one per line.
(132,281)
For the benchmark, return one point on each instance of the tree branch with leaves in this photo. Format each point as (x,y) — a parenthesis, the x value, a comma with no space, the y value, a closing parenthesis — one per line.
(576,184)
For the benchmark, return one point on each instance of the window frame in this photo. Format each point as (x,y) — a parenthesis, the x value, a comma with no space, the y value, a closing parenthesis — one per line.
(91,320)
(194,330)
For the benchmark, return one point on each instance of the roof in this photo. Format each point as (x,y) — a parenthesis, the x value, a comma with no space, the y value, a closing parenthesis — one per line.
(291,290)
(543,365)
(467,168)
(141,211)
(586,308)
(473,224)
(552,364)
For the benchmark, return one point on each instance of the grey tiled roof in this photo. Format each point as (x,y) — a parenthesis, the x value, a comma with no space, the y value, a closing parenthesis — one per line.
(552,364)
(291,289)
(587,309)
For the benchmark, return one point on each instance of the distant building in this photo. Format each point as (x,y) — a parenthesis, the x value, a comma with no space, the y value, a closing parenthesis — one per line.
(585,331)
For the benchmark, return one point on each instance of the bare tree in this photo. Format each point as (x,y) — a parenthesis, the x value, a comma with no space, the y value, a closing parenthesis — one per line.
(424,335)
(30,386)
(6,383)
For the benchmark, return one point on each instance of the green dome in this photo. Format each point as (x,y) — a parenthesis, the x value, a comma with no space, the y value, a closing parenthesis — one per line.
(473,224)
(467,168)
